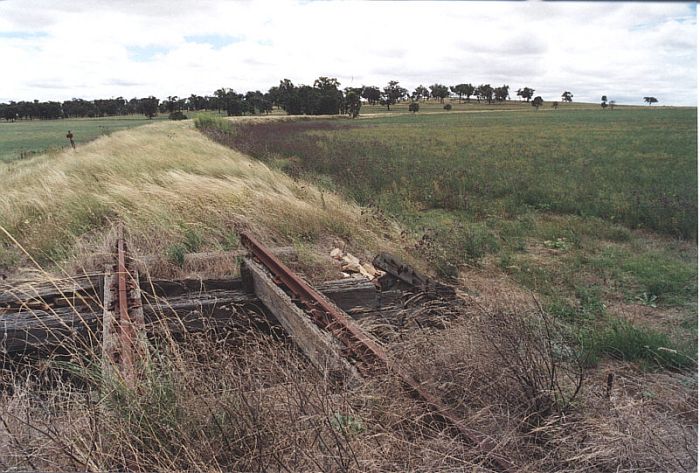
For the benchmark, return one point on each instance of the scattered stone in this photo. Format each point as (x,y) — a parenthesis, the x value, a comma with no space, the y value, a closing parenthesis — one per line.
(352,264)
(350,259)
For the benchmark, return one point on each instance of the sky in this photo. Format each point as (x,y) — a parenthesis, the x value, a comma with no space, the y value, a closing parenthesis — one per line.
(57,50)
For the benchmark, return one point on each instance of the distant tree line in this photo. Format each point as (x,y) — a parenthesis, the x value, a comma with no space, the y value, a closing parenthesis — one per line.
(324,97)
(78,108)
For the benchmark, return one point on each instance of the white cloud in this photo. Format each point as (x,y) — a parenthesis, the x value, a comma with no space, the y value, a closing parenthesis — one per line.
(86,50)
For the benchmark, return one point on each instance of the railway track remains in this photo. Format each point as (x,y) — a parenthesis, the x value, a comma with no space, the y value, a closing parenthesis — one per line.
(117,310)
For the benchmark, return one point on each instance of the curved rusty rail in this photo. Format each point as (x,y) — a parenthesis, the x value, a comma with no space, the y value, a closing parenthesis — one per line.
(366,351)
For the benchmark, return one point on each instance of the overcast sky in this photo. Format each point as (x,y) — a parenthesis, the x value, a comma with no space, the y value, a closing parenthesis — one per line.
(106,48)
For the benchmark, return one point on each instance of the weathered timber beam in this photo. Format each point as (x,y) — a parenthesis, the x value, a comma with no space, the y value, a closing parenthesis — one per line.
(177,287)
(404,272)
(320,348)
(215,309)
(27,329)
(66,291)
(346,293)
(47,331)
(38,294)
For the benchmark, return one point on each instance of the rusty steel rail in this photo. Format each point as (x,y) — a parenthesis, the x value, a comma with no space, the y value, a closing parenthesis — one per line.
(366,352)
(121,330)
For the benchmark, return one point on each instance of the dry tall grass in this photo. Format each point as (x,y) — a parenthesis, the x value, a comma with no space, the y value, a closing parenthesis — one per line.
(248,401)
(175,190)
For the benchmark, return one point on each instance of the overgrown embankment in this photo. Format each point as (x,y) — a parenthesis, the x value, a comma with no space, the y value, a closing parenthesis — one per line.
(176,190)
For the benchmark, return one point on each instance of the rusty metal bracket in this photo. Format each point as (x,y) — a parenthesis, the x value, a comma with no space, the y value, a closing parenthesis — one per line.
(366,352)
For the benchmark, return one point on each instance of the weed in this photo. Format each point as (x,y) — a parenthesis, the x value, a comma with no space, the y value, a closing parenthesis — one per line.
(562,309)
(347,424)
(230,241)
(626,341)
(193,239)
(558,244)
(590,300)
(176,254)
(647,299)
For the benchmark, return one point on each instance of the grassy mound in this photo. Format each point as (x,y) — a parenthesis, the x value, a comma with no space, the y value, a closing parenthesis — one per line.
(173,188)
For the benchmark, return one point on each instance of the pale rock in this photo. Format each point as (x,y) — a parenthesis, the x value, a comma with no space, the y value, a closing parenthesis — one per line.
(348,258)
(370,270)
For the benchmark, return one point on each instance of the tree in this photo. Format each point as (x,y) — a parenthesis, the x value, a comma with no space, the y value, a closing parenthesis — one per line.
(220,94)
(463,90)
(567,96)
(170,104)
(485,92)
(149,106)
(426,94)
(393,92)
(651,100)
(537,102)
(352,102)
(420,93)
(526,93)
(309,99)
(330,98)
(234,105)
(413,107)
(439,91)
(372,94)
(273,95)
(326,83)
(255,102)
(501,93)
(10,112)
(289,97)
(604,101)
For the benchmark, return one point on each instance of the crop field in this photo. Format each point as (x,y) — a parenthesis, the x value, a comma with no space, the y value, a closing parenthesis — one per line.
(595,211)
(25,138)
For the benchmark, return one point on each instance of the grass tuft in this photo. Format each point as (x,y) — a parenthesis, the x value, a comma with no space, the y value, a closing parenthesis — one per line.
(625,341)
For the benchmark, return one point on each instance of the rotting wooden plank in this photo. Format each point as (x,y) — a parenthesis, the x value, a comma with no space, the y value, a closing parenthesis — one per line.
(319,347)
(177,287)
(212,310)
(66,291)
(404,272)
(179,305)
(347,293)
(353,293)
(83,291)
(39,331)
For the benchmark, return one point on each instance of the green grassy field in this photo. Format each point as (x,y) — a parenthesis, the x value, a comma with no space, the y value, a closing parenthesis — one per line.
(595,211)
(434,106)
(26,138)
